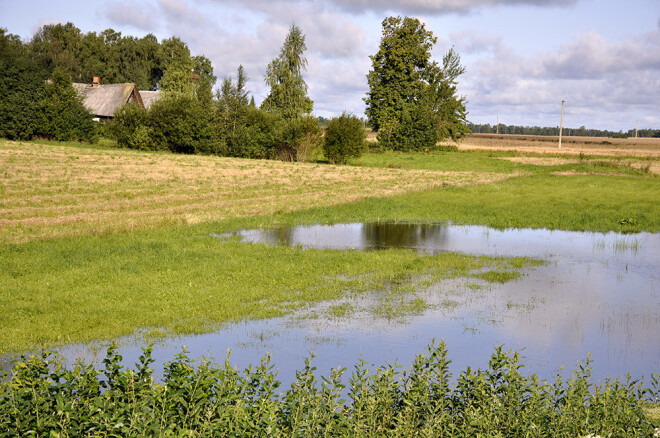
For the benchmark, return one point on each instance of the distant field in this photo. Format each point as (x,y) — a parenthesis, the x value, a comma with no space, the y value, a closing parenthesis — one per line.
(58,190)
(638,147)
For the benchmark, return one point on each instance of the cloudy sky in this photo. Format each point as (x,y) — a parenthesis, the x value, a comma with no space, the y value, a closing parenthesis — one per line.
(522,56)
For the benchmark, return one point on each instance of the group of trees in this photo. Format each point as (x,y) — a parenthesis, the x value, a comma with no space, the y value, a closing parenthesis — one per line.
(554,130)
(38,100)
(113,57)
(30,105)
(412,101)
(229,123)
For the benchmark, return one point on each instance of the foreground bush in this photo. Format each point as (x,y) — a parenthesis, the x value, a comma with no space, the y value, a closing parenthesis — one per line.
(44,399)
(344,139)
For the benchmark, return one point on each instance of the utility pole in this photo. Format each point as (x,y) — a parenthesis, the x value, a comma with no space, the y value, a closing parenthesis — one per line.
(561,122)
(497,130)
(636,126)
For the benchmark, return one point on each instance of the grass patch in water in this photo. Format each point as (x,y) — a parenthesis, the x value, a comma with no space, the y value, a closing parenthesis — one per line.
(182,282)
(341,310)
(398,306)
(497,276)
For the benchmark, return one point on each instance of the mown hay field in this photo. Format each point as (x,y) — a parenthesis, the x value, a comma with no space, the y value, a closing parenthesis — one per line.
(52,190)
(636,147)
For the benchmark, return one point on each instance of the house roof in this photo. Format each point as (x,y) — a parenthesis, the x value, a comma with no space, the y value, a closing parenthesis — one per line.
(103,100)
(149,97)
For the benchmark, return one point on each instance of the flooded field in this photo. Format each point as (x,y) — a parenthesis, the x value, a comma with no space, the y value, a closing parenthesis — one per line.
(598,295)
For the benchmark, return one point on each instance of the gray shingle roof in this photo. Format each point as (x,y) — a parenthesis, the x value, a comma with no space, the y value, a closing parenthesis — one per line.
(104,100)
(149,97)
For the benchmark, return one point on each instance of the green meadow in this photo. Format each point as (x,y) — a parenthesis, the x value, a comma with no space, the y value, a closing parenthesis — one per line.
(99,242)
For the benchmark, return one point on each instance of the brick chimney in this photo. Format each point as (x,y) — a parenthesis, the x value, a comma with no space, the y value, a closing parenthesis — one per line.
(96,82)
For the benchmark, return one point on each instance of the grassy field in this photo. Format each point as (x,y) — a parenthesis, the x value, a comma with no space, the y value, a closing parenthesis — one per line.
(637,147)
(99,242)
(54,190)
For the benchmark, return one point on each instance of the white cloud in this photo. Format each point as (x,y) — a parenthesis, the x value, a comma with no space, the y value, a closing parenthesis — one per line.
(605,82)
(600,78)
(592,56)
(432,7)
(142,16)
(45,22)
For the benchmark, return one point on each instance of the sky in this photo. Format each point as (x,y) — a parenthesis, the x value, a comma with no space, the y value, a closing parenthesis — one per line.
(522,57)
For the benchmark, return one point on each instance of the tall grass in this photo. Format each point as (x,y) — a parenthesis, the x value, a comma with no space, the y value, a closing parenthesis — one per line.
(45,399)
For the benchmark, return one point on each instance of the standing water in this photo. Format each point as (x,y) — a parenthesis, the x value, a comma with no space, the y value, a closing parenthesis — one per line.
(598,295)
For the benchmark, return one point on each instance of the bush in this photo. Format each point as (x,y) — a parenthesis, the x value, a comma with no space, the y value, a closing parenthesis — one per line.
(65,116)
(43,398)
(130,128)
(344,138)
(417,129)
(181,124)
(252,136)
(298,139)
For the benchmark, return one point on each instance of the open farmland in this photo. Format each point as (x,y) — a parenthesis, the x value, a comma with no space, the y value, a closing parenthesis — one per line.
(54,190)
(539,144)
(123,240)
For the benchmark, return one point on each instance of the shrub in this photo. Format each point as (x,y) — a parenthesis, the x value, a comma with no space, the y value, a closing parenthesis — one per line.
(181,124)
(415,130)
(130,128)
(298,139)
(344,138)
(65,116)
(43,398)
(253,136)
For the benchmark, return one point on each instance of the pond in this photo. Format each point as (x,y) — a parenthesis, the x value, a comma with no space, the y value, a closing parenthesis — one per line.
(598,295)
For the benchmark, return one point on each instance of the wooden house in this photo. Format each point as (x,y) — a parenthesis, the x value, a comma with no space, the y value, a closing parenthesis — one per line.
(104,100)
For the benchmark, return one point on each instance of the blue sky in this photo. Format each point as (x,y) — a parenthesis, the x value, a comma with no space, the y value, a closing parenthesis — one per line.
(522,56)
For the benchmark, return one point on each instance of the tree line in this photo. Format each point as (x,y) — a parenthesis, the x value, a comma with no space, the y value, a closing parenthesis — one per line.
(38,100)
(412,101)
(554,130)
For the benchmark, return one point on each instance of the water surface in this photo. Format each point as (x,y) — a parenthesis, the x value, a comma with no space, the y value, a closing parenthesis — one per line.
(598,295)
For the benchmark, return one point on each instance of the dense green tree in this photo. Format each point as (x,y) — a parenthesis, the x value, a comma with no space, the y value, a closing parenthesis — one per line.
(412,101)
(116,58)
(179,123)
(58,45)
(203,80)
(65,117)
(242,129)
(178,78)
(344,139)
(288,90)
(446,103)
(22,86)
(131,128)
(232,103)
